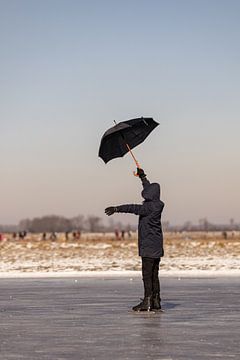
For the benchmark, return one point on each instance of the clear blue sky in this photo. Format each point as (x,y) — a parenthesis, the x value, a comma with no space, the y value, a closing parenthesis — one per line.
(68,68)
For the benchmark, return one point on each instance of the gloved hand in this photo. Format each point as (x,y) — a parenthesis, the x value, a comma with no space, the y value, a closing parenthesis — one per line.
(110,210)
(141,173)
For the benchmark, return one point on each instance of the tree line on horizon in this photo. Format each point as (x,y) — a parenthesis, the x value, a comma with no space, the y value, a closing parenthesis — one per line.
(92,223)
(59,224)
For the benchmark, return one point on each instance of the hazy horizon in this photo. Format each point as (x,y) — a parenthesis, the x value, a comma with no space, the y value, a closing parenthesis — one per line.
(69,68)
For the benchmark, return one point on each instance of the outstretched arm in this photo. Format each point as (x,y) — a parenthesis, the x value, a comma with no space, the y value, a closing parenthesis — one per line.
(136,209)
(133,209)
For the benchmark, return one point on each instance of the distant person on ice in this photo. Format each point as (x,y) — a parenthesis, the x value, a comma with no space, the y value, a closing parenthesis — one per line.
(150,240)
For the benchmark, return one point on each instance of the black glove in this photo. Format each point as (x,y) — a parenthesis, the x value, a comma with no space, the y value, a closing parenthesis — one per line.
(110,210)
(141,173)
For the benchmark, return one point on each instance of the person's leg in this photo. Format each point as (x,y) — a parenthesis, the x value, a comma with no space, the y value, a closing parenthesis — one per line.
(147,275)
(156,299)
(147,268)
(155,277)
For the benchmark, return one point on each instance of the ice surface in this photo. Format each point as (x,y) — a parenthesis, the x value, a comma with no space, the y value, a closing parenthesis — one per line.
(88,318)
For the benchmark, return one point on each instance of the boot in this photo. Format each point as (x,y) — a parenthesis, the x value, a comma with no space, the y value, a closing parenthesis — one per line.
(156,302)
(145,304)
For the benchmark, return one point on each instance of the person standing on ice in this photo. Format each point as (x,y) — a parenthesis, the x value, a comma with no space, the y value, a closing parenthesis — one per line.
(150,240)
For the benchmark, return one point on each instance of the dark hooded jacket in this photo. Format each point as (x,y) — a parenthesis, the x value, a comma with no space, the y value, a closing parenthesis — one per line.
(150,236)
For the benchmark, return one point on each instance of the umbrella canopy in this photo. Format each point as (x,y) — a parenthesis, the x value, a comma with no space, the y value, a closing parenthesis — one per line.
(124,136)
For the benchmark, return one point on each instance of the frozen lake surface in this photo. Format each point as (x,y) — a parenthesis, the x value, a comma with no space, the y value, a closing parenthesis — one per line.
(88,318)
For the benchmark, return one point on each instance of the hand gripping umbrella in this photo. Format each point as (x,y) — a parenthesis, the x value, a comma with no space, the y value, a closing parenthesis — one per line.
(124,136)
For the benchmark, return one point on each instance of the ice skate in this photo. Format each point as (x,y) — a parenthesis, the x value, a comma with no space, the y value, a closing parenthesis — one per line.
(144,305)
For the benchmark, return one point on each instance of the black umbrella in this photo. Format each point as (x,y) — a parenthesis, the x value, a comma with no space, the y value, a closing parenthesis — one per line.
(124,136)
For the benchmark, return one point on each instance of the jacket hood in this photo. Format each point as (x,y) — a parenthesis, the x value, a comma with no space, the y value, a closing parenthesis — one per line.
(151,192)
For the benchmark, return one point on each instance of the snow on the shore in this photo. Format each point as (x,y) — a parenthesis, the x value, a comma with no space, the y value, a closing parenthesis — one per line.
(191,254)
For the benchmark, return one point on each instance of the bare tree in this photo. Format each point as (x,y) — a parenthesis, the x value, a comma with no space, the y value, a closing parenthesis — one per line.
(94,223)
(51,223)
(24,225)
(78,223)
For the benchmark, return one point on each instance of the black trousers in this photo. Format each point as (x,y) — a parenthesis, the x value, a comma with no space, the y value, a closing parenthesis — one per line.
(150,268)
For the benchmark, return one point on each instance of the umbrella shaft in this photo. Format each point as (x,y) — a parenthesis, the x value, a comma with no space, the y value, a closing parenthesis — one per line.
(129,149)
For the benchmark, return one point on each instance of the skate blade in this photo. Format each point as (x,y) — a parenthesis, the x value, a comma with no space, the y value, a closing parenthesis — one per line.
(146,312)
